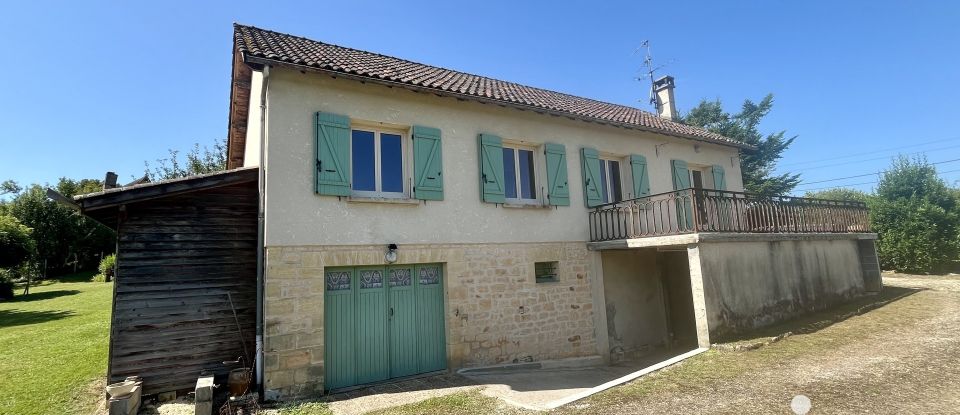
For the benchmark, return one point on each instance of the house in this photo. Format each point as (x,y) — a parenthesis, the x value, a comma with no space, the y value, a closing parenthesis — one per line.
(414,219)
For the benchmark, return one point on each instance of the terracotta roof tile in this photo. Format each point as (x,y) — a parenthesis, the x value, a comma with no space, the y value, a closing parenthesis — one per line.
(279,47)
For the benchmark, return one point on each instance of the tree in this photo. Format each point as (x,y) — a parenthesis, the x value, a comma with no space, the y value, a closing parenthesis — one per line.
(850,195)
(915,215)
(757,166)
(198,161)
(16,244)
(65,240)
(9,186)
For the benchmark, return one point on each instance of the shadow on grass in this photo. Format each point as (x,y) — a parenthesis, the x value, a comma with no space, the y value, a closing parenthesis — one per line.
(83,276)
(44,295)
(813,322)
(10,318)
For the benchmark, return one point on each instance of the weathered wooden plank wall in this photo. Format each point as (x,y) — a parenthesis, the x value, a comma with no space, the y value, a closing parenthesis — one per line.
(178,258)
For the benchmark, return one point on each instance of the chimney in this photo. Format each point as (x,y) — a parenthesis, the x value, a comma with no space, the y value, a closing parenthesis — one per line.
(110,181)
(663,95)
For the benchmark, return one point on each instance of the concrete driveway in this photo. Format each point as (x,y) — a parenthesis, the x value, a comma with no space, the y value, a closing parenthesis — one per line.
(519,385)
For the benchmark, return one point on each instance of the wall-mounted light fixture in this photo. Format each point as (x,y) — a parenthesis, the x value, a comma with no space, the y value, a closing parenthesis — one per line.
(696,148)
(391,255)
(656,148)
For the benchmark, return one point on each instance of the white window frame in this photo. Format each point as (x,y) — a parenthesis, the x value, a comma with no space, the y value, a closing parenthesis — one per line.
(516,166)
(404,162)
(609,181)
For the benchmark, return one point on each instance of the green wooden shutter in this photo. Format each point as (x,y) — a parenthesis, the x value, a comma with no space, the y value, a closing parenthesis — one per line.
(491,169)
(333,154)
(719,179)
(559,190)
(681,175)
(590,167)
(427,164)
(681,181)
(641,181)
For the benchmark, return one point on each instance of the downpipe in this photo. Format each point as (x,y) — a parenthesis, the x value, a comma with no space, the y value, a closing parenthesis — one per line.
(261,186)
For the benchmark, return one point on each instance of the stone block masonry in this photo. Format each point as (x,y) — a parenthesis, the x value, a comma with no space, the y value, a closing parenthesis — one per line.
(495,311)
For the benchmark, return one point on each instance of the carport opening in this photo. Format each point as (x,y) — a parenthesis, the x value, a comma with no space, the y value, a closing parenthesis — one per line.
(649,303)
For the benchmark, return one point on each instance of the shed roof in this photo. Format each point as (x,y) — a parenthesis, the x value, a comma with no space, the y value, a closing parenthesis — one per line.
(103,205)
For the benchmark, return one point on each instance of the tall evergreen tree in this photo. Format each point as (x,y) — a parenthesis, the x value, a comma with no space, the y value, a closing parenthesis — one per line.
(757,167)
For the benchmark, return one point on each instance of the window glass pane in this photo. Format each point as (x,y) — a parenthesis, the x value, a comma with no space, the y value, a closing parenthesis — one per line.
(615,190)
(509,173)
(391,163)
(603,181)
(363,161)
(528,187)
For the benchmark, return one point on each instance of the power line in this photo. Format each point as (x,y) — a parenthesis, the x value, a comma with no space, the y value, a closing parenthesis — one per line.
(870,152)
(869,174)
(872,159)
(859,184)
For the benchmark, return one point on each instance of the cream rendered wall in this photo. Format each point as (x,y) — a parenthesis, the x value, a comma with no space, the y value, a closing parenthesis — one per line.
(636,322)
(251,149)
(297,216)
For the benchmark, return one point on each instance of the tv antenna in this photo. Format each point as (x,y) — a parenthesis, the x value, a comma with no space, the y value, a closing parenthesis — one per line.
(648,69)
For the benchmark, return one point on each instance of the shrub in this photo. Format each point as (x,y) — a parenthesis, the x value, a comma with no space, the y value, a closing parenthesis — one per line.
(107,267)
(915,213)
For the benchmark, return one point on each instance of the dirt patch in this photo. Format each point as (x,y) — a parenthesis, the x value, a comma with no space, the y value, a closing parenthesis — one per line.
(91,399)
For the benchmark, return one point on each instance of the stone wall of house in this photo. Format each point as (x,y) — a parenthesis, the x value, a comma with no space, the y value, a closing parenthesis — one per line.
(495,311)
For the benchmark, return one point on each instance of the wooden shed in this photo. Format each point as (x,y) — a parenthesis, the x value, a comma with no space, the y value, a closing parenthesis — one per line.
(183,245)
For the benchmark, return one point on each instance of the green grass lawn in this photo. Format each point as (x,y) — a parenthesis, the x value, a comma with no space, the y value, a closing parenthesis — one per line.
(53,345)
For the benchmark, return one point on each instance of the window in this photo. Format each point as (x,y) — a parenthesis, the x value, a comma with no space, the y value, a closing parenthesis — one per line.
(519,175)
(546,271)
(610,180)
(697,177)
(377,163)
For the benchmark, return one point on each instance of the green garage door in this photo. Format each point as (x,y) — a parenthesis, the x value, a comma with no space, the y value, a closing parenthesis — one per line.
(382,323)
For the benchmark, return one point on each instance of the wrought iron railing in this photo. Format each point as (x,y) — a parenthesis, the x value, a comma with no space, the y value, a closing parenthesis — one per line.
(703,210)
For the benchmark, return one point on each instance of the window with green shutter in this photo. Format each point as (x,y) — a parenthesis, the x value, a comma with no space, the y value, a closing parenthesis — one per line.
(681,174)
(491,168)
(681,181)
(558,190)
(590,169)
(427,164)
(333,154)
(638,170)
(719,179)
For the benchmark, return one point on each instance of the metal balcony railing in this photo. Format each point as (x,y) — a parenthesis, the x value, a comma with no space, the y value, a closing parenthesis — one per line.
(704,210)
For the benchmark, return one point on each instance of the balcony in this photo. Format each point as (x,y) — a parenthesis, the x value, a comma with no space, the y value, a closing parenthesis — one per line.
(702,210)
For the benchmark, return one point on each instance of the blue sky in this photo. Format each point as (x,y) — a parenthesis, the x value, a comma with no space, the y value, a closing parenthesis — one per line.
(104,86)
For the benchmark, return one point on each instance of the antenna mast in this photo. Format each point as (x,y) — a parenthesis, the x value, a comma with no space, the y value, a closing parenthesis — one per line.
(649,69)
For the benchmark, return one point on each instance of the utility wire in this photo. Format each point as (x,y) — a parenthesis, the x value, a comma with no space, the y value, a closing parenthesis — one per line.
(871,159)
(859,184)
(870,152)
(869,174)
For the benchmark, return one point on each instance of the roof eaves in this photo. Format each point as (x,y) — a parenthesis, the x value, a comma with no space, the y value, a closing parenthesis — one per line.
(490,100)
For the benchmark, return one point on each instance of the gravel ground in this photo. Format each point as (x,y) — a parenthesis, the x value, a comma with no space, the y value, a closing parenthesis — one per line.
(903,357)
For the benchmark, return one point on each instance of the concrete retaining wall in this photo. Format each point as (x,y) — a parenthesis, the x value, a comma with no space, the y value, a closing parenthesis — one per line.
(756,283)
